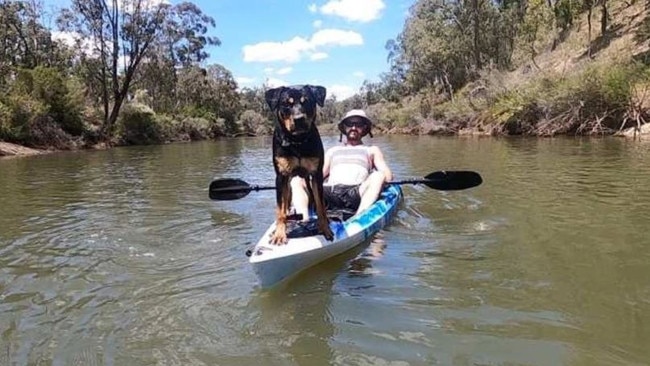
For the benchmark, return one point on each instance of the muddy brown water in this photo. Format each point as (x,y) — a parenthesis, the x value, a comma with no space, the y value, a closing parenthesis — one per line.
(119,258)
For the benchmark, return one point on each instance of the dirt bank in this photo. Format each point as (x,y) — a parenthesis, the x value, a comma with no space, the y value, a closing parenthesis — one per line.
(9,149)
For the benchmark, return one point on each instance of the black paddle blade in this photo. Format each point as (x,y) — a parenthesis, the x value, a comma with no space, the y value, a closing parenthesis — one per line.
(453,180)
(228,189)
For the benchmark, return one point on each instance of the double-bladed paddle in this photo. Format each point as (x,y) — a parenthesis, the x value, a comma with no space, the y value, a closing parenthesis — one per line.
(233,189)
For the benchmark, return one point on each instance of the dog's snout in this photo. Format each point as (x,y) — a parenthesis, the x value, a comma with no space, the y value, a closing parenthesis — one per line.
(301,124)
(297,113)
(296,110)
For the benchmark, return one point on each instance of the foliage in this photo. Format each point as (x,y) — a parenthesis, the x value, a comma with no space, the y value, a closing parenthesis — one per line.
(138,125)
(193,128)
(209,91)
(593,101)
(25,42)
(538,17)
(6,123)
(39,100)
(253,123)
(442,66)
(50,88)
(122,36)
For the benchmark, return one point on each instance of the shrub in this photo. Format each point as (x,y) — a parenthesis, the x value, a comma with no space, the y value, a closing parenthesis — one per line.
(192,128)
(44,132)
(253,123)
(219,128)
(137,125)
(6,122)
(49,87)
(23,109)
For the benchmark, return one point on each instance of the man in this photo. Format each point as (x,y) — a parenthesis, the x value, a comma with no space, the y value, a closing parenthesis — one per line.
(355,173)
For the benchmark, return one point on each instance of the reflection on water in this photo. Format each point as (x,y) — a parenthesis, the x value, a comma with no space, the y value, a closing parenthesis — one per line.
(118,258)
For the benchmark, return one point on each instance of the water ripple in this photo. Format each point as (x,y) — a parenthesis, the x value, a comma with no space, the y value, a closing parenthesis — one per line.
(118,258)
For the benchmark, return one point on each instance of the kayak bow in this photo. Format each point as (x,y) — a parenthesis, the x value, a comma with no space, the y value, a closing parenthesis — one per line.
(276,263)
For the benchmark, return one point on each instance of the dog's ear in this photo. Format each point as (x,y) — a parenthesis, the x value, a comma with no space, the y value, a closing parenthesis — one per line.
(273,97)
(319,93)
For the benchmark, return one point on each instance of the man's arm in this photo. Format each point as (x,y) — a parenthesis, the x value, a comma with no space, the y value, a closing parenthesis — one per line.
(380,163)
(326,163)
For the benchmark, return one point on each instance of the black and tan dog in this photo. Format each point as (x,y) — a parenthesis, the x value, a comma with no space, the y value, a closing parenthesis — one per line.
(297,150)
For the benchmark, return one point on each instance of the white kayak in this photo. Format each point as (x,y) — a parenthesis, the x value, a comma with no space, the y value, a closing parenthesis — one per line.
(275,263)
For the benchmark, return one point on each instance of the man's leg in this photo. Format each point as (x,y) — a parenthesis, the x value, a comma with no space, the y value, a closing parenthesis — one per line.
(299,197)
(370,189)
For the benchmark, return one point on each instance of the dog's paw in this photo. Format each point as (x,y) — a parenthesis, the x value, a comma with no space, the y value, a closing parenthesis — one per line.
(327,232)
(279,237)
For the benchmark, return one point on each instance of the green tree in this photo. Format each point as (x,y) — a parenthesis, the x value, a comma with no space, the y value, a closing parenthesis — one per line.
(122,32)
(538,16)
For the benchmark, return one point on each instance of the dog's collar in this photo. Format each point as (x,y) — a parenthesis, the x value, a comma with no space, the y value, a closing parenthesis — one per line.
(286,142)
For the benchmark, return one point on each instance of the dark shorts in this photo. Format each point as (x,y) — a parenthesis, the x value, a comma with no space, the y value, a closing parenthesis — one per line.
(342,197)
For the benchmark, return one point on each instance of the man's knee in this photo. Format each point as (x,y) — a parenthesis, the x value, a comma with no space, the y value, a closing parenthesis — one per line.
(376,178)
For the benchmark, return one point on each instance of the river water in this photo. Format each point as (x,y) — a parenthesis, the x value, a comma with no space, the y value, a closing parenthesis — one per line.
(119,258)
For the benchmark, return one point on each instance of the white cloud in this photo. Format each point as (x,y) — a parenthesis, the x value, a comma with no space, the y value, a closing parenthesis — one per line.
(284,71)
(318,23)
(294,49)
(289,51)
(341,91)
(67,38)
(359,74)
(354,10)
(326,37)
(243,80)
(318,56)
(313,8)
(71,39)
(274,82)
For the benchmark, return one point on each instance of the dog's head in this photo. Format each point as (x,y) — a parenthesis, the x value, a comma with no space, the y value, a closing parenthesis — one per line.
(295,106)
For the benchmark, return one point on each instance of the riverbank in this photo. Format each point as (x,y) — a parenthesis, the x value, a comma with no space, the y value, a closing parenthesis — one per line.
(588,82)
(9,149)
(642,132)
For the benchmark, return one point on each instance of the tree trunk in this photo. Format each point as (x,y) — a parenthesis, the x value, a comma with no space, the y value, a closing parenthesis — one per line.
(589,11)
(477,50)
(603,18)
(449,87)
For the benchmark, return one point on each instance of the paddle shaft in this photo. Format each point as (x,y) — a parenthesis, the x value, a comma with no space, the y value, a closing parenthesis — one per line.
(232,189)
(255,187)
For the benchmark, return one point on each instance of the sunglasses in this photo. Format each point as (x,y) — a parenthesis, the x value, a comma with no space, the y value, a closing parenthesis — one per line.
(355,123)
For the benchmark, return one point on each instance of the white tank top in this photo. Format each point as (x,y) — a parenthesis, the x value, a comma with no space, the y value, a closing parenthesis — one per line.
(349,165)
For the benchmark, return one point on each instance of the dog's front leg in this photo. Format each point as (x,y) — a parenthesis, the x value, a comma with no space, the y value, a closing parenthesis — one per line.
(316,183)
(283,199)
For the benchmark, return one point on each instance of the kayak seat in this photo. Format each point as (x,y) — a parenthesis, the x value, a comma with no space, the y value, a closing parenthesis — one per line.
(297,228)
(340,215)
(300,229)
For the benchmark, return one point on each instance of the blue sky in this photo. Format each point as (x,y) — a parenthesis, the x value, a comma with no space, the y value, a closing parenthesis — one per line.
(334,43)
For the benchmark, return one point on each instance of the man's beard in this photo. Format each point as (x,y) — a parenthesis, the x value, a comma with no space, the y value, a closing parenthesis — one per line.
(353,136)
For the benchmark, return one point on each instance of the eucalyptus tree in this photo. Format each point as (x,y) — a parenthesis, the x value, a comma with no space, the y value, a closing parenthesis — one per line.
(436,46)
(253,99)
(24,41)
(446,43)
(538,16)
(157,76)
(331,111)
(209,92)
(224,89)
(117,35)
